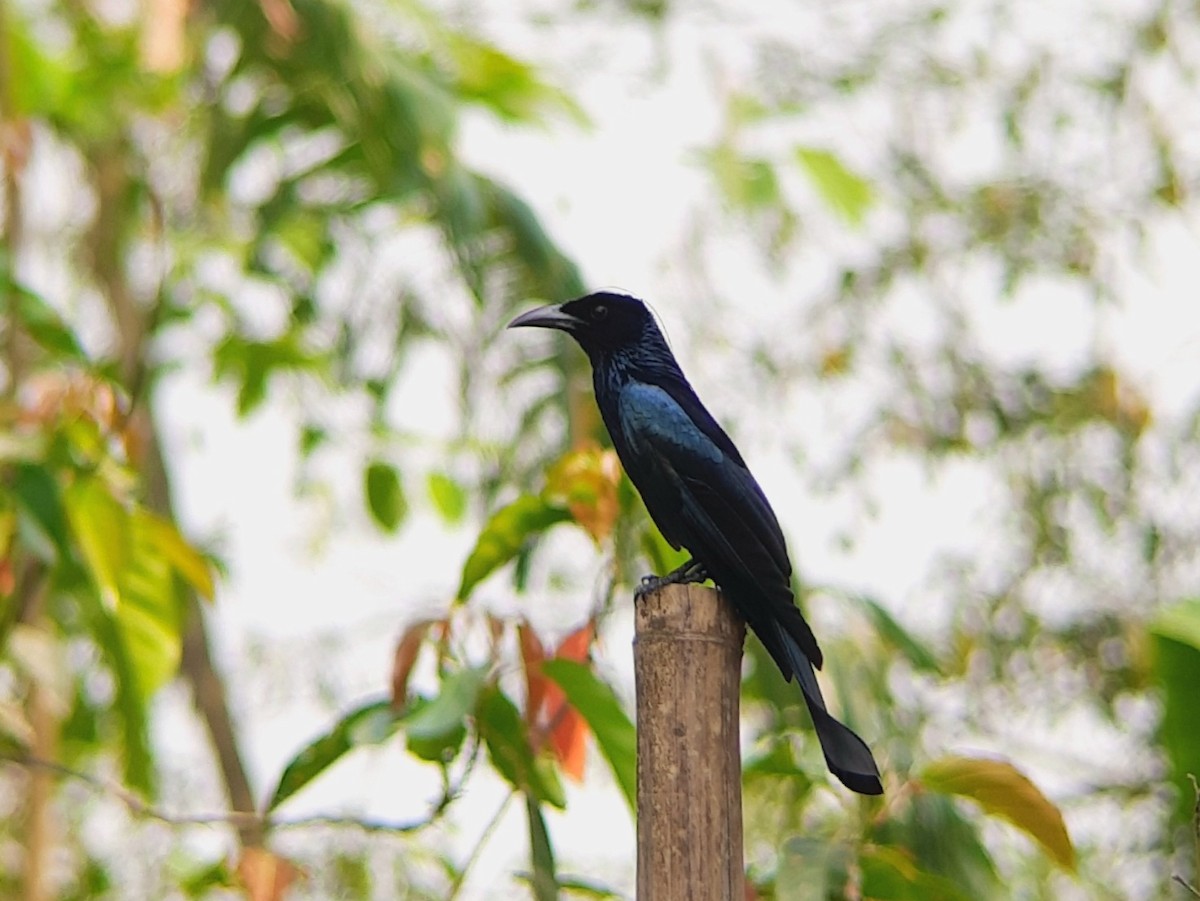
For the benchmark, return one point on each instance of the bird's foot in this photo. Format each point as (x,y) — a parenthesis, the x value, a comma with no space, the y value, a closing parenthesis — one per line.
(692,571)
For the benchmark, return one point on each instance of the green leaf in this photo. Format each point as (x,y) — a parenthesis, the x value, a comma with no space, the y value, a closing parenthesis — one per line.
(544,880)
(805,868)
(166,541)
(201,879)
(42,522)
(506,85)
(747,184)
(149,610)
(151,636)
(440,748)
(449,497)
(254,362)
(765,683)
(506,737)
(941,840)
(447,712)
(39,83)
(1180,622)
(385,495)
(370,724)
(598,705)
(129,702)
(311,438)
(890,630)
(40,321)
(1003,791)
(1176,663)
(847,193)
(81,731)
(776,765)
(504,535)
(892,874)
(303,233)
(547,271)
(585,888)
(101,527)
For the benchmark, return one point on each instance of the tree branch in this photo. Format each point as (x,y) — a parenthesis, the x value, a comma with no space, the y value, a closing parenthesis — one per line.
(1187,885)
(240,820)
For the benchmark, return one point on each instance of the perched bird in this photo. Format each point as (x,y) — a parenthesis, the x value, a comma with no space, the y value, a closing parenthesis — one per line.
(701,495)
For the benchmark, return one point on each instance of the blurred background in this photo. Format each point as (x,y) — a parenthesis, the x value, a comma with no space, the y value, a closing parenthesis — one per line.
(317,584)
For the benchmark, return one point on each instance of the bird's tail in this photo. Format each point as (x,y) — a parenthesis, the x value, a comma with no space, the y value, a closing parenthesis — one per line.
(847,755)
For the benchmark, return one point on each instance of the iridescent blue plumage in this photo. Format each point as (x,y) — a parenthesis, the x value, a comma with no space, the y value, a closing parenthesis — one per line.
(700,493)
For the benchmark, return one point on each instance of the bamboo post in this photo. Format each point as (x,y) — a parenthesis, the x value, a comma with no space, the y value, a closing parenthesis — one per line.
(687,655)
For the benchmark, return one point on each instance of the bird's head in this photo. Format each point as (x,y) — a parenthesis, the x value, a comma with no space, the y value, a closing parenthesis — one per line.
(602,323)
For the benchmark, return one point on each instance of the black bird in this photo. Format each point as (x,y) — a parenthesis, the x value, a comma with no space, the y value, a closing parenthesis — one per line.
(701,495)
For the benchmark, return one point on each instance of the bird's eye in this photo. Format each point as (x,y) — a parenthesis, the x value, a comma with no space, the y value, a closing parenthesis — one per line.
(599,312)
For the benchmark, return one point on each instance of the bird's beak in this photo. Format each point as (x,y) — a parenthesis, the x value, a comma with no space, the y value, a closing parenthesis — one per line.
(550,316)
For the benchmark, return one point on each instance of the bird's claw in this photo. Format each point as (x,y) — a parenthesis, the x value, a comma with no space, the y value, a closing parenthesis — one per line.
(648,585)
(692,571)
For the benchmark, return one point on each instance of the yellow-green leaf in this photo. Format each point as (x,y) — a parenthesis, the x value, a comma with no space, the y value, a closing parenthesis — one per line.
(1004,791)
(101,527)
(150,613)
(846,192)
(1180,622)
(164,538)
(448,496)
(504,536)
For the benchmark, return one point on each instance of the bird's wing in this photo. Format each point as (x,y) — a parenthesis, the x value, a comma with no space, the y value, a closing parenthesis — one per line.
(727,509)
(703,499)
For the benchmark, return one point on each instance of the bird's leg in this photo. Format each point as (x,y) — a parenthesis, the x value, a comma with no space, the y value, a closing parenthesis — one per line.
(692,571)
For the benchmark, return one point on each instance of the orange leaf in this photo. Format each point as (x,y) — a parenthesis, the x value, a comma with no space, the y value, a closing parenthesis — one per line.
(586,481)
(407,649)
(266,876)
(569,739)
(568,729)
(576,645)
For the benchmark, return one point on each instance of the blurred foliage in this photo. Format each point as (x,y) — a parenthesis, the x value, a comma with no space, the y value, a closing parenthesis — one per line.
(229,162)
(272,195)
(1014,162)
